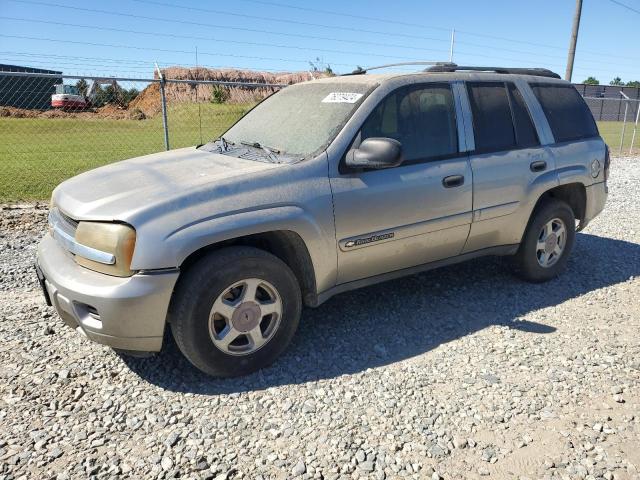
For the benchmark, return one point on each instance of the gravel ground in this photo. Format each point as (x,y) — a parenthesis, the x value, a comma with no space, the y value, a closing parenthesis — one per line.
(462,372)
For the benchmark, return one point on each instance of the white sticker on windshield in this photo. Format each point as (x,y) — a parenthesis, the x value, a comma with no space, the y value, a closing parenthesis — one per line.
(342,97)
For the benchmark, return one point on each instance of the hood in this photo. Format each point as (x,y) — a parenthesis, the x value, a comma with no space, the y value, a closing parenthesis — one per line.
(121,190)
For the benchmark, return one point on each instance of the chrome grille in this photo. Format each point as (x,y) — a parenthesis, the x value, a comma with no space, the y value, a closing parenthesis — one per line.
(66,223)
(63,230)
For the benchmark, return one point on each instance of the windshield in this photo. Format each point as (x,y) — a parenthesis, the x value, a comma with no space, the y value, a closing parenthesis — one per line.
(301,119)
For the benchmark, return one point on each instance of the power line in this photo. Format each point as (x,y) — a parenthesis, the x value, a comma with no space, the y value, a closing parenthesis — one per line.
(294,47)
(316,37)
(132,47)
(419,25)
(343,52)
(213,39)
(283,20)
(251,43)
(625,6)
(348,15)
(141,63)
(47,61)
(219,26)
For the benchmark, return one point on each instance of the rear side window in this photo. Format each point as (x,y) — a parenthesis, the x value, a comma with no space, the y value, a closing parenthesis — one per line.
(526,135)
(492,122)
(566,111)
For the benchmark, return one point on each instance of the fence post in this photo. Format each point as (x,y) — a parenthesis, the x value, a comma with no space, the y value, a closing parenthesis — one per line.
(165,126)
(163,100)
(635,127)
(624,125)
(601,108)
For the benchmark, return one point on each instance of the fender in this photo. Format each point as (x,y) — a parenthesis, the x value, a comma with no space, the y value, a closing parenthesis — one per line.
(574,174)
(541,184)
(180,243)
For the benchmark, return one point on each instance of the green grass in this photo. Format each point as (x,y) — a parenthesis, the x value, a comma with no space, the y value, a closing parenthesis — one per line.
(611,132)
(36,154)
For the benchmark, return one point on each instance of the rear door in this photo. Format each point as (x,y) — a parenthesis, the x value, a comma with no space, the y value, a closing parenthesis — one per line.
(415,213)
(576,145)
(508,158)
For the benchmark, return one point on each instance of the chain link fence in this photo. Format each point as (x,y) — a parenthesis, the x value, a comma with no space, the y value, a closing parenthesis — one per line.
(53,126)
(617,120)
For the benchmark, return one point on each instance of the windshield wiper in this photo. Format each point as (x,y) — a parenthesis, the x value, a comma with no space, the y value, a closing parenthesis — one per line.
(225,144)
(270,151)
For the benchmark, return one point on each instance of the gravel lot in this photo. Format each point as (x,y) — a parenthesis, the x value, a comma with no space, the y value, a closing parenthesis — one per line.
(463,372)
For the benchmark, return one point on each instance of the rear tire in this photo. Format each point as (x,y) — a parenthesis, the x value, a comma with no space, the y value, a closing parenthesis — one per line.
(547,242)
(235,311)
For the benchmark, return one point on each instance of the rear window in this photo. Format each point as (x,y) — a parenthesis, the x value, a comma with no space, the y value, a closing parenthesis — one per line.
(566,111)
(492,122)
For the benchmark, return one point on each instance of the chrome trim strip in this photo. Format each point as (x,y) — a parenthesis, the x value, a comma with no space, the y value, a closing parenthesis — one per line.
(405,231)
(69,242)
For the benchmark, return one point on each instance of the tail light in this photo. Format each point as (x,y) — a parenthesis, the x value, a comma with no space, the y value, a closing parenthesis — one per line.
(607,163)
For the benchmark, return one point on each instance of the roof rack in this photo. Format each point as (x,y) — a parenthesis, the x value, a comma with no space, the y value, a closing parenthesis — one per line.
(452,67)
(362,71)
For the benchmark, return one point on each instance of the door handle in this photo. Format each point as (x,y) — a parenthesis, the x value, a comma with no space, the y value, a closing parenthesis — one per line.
(538,166)
(453,181)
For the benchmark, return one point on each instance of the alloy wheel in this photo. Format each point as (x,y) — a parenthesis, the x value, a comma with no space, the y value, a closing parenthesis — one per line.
(245,316)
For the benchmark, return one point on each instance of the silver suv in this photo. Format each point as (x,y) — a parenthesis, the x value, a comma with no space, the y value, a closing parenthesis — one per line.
(324,187)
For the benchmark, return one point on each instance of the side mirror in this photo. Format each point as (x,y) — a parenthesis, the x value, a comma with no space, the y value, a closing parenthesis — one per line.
(375,153)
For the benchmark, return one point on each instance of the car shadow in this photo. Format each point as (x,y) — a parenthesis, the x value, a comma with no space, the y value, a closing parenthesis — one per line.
(400,319)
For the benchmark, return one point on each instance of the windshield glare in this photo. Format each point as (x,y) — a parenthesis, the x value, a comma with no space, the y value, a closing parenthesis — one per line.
(301,119)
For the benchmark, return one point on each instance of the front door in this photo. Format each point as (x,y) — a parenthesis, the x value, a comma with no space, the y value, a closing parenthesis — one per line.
(413,214)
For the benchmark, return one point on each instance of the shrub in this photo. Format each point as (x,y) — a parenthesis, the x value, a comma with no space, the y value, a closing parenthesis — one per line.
(137,114)
(219,94)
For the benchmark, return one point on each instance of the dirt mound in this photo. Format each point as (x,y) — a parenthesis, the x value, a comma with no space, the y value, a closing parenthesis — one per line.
(148,101)
(19,112)
(182,92)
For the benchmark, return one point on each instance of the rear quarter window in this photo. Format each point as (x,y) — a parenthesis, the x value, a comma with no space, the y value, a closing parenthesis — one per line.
(567,113)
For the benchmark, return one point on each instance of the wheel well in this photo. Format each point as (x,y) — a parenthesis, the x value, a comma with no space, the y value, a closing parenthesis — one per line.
(288,246)
(574,194)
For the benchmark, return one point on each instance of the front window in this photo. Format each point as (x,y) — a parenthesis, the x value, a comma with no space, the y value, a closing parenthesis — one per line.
(422,118)
(67,89)
(300,120)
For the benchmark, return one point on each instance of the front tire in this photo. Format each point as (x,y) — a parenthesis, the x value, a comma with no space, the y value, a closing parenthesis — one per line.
(235,311)
(547,243)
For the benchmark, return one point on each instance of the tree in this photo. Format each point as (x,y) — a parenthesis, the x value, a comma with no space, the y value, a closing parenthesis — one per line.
(82,87)
(319,66)
(634,83)
(128,95)
(592,81)
(616,81)
(100,97)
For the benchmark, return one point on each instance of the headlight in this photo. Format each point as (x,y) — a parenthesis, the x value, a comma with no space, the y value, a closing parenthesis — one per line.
(116,241)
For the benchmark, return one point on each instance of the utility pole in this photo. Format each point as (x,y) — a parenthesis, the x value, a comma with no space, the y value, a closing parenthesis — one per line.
(453,41)
(574,40)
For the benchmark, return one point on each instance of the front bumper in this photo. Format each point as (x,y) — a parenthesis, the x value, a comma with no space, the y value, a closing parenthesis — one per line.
(125,313)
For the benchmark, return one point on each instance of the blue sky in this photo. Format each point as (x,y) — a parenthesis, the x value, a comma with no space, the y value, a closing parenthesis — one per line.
(126,37)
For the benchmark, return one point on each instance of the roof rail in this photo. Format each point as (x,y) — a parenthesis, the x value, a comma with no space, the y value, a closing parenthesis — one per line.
(362,71)
(452,67)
